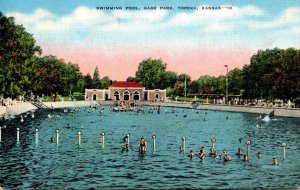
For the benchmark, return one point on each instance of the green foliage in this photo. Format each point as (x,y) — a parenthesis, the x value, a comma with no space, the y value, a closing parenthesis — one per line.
(273,74)
(150,72)
(88,81)
(17,49)
(168,79)
(106,82)
(130,79)
(96,79)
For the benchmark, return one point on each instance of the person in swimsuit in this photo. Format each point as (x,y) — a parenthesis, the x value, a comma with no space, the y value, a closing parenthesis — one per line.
(202,153)
(240,152)
(226,156)
(143,146)
(191,154)
(275,161)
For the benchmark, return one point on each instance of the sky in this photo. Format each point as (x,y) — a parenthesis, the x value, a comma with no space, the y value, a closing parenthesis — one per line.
(196,41)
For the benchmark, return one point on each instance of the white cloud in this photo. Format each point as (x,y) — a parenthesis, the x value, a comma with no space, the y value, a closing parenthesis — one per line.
(86,22)
(289,17)
(215,20)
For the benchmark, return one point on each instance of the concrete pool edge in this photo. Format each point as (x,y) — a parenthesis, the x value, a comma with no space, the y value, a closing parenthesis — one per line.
(20,108)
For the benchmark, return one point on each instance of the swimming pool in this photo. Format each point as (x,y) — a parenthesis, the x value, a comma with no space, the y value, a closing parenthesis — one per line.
(66,165)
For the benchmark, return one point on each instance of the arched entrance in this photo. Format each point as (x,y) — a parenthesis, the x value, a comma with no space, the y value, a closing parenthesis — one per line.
(116,95)
(157,97)
(126,95)
(94,97)
(136,95)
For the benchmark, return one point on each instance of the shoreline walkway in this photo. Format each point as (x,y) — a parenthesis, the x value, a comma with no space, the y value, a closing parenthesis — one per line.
(23,107)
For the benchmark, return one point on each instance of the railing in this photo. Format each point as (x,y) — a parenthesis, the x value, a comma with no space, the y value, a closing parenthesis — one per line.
(39,105)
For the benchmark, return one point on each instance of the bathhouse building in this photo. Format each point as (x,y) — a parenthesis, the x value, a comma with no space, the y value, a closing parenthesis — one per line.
(127,91)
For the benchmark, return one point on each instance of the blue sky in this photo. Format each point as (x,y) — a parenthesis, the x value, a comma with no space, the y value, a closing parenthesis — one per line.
(78,20)
(188,40)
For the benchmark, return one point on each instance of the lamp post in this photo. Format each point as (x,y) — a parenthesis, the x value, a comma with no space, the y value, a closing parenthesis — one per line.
(226,100)
(185,86)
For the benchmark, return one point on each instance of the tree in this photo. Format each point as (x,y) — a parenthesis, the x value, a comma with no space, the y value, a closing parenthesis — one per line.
(273,74)
(178,89)
(96,79)
(17,51)
(48,78)
(88,81)
(235,81)
(150,72)
(106,82)
(168,79)
(130,79)
(71,75)
(184,77)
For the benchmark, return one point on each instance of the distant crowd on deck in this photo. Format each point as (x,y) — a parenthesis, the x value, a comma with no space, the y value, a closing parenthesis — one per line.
(259,102)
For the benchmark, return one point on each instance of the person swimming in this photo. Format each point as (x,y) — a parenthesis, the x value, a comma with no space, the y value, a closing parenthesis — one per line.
(68,126)
(202,153)
(126,147)
(125,138)
(240,139)
(259,154)
(226,157)
(51,139)
(213,152)
(246,158)
(191,154)
(143,146)
(240,152)
(275,161)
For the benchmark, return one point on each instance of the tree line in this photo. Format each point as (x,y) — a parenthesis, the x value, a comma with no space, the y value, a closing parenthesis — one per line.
(272,73)
(23,71)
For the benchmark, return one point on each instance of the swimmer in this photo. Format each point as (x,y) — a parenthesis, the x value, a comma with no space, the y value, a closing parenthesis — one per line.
(275,161)
(126,147)
(226,157)
(68,126)
(246,158)
(213,153)
(191,154)
(143,146)
(240,152)
(202,153)
(125,138)
(259,155)
(257,125)
(102,111)
(240,139)
(219,156)
(51,139)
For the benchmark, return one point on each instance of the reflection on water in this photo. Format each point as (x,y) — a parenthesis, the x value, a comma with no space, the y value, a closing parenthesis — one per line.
(47,165)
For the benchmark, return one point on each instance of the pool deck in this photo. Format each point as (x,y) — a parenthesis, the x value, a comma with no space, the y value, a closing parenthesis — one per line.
(20,108)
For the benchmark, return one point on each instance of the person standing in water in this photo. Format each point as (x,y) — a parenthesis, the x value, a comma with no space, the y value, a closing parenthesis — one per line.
(202,153)
(143,146)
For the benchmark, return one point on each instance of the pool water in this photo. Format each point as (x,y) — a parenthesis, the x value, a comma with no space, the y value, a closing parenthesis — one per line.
(46,165)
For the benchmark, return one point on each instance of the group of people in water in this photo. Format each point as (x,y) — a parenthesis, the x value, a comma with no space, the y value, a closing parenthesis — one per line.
(126,146)
(226,157)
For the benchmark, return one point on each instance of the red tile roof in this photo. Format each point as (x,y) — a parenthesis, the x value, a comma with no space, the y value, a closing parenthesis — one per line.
(123,84)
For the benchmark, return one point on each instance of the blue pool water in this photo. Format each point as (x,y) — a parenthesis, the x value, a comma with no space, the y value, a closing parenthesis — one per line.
(46,165)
